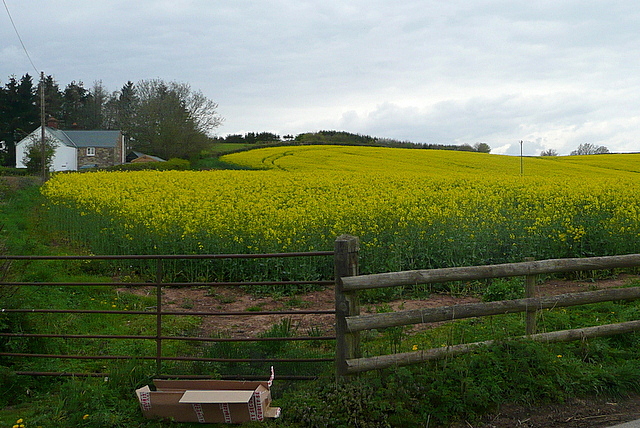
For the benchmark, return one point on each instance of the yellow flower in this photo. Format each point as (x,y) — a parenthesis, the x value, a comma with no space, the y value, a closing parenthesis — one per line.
(559,356)
(85,417)
(310,194)
(415,348)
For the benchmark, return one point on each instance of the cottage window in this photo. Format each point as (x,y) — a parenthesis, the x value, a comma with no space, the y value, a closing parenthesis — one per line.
(91,151)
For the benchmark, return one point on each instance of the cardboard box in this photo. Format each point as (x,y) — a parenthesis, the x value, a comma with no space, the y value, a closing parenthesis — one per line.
(208,401)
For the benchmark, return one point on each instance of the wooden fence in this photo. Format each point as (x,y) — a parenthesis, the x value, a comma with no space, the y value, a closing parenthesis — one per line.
(349,322)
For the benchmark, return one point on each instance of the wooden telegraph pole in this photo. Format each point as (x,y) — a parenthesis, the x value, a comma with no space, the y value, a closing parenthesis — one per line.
(43,146)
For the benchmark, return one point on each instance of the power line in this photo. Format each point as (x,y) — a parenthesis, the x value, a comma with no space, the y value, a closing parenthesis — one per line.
(18,34)
(42,106)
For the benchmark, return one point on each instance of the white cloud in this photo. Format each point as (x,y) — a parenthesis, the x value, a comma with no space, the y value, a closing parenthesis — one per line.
(554,74)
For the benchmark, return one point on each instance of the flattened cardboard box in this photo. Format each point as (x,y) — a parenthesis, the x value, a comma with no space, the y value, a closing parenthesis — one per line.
(207,401)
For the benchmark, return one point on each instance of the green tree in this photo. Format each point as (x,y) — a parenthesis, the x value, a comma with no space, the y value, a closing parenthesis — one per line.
(18,114)
(549,152)
(589,149)
(74,105)
(52,98)
(127,104)
(171,120)
(119,109)
(33,155)
(94,108)
(267,137)
(482,148)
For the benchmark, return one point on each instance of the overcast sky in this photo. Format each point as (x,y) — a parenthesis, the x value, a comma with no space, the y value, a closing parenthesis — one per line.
(553,73)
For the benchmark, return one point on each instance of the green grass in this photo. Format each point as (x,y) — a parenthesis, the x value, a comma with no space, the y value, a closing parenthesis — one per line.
(215,163)
(223,148)
(433,394)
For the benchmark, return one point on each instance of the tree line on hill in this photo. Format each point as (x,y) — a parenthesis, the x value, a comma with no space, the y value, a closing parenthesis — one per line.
(166,119)
(343,138)
(583,149)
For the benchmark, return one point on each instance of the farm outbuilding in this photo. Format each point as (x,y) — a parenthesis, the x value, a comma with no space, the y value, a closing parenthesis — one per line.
(137,157)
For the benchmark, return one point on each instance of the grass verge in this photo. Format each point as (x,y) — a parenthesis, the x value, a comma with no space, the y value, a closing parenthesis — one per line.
(431,394)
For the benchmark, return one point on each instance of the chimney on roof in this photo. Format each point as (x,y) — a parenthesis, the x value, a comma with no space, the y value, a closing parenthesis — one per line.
(52,122)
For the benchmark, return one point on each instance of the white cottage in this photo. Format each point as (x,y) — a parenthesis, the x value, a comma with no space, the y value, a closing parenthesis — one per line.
(76,149)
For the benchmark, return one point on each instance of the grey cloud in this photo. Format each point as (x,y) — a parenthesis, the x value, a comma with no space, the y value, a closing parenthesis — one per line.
(553,74)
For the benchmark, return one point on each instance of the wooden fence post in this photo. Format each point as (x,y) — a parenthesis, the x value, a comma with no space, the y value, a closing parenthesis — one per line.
(347,303)
(530,291)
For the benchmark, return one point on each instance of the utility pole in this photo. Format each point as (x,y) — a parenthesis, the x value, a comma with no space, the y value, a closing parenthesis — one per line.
(521,166)
(43,146)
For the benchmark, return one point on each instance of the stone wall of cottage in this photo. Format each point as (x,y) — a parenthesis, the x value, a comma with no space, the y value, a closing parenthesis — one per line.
(117,154)
(104,157)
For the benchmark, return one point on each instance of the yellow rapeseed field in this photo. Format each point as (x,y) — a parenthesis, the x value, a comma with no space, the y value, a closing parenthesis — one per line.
(411,208)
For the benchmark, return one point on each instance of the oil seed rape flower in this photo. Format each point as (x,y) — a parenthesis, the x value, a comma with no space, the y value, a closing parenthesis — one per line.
(435,201)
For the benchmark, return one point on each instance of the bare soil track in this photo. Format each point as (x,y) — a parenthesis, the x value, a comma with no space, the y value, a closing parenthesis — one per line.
(574,413)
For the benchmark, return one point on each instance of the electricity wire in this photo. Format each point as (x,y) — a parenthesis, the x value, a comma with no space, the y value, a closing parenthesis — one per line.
(19,38)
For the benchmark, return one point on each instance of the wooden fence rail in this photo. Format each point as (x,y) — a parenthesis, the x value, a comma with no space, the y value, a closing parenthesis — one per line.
(471,310)
(348,321)
(413,277)
(349,360)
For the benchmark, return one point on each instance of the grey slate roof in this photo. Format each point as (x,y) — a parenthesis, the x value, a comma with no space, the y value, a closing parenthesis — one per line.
(86,138)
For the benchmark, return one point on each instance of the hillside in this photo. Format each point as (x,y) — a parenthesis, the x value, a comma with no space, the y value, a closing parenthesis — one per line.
(435,162)
(411,209)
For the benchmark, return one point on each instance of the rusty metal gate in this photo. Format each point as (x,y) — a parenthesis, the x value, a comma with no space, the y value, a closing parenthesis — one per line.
(159,312)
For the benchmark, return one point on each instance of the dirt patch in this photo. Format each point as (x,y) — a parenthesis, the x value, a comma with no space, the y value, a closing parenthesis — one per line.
(248,320)
(13,184)
(574,413)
